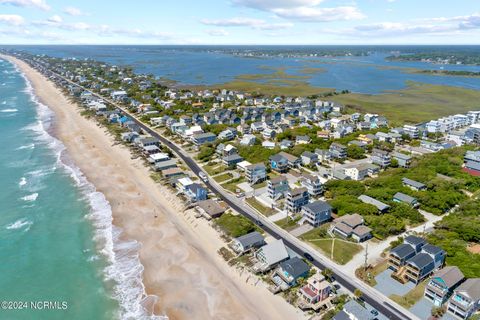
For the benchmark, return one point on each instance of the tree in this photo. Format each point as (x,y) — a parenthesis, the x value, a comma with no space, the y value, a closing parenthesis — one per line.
(437,312)
(327,273)
(355,152)
(358,294)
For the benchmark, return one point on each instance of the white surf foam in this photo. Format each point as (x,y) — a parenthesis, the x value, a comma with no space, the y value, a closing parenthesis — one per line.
(8,110)
(20,224)
(124,267)
(30,197)
(23,181)
(27,146)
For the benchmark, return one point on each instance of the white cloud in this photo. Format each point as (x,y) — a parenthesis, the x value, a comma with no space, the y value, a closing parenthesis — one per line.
(217,32)
(233,22)
(247,22)
(12,19)
(40,4)
(72,11)
(307,14)
(55,19)
(268,5)
(303,10)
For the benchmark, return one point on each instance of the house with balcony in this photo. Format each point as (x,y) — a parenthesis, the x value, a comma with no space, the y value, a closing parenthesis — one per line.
(232,160)
(403,160)
(296,199)
(316,291)
(465,300)
(399,255)
(256,173)
(424,263)
(277,187)
(381,158)
(442,283)
(411,131)
(288,272)
(313,184)
(338,151)
(282,162)
(195,192)
(203,138)
(316,213)
(270,255)
(247,242)
(309,158)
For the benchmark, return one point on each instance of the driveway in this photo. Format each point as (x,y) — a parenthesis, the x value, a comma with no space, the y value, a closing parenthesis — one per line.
(388,286)
(423,308)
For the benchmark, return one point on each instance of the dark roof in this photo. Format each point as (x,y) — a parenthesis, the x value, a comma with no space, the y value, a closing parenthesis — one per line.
(369,200)
(414,240)
(295,266)
(362,230)
(471,287)
(211,207)
(428,248)
(473,165)
(277,158)
(403,250)
(297,191)
(195,187)
(233,157)
(318,206)
(404,197)
(421,260)
(413,183)
(250,239)
(342,315)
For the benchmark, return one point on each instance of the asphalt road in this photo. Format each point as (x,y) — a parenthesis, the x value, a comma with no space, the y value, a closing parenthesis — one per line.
(370,295)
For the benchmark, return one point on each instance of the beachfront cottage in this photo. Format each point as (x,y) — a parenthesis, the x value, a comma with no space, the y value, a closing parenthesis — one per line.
(195,192)
(442,284)
(210,208)
(465,300)
(247,242)
(164,165)
(158,157)
(270,255)
(288,272)
(314,292)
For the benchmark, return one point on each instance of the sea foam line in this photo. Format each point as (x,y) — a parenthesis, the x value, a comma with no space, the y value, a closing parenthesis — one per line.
(20,224)
(124,266)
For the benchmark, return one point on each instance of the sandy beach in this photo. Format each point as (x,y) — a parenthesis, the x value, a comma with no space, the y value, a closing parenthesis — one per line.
(178,252)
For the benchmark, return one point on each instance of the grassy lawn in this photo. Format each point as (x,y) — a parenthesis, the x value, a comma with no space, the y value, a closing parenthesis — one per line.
(411,297)
(343,251)
(266,211)
(287,223)
(234,225)
(223,177)
(419,102)
(214,169)
(368,276)
(232,184)
(260,185)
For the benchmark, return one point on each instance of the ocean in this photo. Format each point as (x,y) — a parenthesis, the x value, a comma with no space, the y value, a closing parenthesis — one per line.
(57,241)
(215,65)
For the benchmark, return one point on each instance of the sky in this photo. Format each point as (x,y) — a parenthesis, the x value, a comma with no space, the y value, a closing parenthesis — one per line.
(226,22)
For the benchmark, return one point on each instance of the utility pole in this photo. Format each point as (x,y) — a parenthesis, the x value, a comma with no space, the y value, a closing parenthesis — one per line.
(333,247)
(366,257)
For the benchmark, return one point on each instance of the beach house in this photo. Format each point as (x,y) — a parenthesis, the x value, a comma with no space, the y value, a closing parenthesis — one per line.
(352,225)
(442,283)
(247,242)
(296,199)
(382,207)
(277,187)
(316,213)
(256,173)
(316,290)
(288,272)
(313,184)
(270,255)
(465,300)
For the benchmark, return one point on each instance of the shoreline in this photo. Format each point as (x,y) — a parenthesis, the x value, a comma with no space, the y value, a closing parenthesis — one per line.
(179,255)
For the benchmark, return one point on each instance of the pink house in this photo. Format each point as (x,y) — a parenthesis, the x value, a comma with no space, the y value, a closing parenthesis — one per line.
(316,290)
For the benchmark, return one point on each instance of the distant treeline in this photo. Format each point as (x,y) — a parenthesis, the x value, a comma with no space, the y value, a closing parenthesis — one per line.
(470,58)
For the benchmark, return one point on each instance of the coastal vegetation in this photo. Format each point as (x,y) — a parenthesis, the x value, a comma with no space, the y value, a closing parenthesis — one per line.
(418,102)
(234,225)
(446,186)
(442,57)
